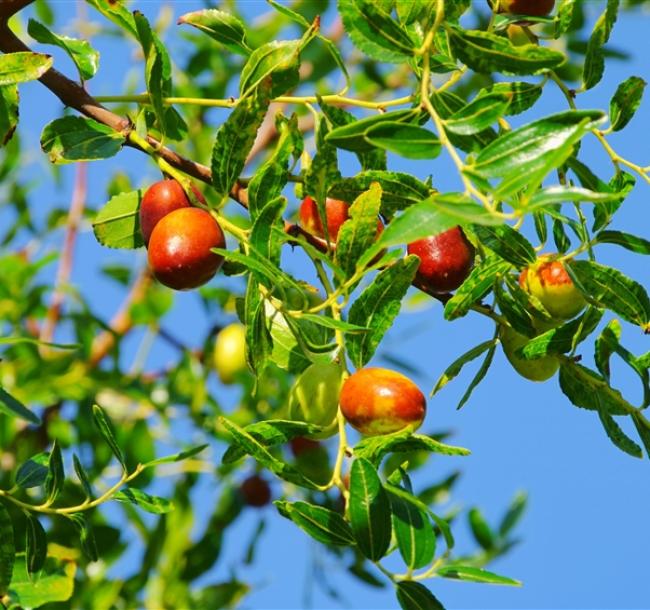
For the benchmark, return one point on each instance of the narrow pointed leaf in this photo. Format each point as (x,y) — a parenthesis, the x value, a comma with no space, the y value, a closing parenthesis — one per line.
(35,544)
(106,428)
(14,408)
(7,550)
(320,523)
(152,504)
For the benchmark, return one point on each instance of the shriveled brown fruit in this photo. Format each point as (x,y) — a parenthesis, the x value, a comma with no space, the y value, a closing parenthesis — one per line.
(255,491)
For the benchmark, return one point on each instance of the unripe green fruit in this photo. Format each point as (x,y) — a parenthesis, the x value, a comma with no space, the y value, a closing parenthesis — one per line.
(314,397)
(517,35)
(230,352)
(548,281)
(539,369)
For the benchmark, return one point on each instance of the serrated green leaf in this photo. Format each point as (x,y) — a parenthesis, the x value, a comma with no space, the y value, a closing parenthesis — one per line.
(479,114)
(643,428)
(625,102)
(486,53)
(22,67)
(224,28)
(85,58)
(475,287)
(152,504)
(377,306)
(277,61)
(117,224)
(625,240)
(472,574)
(322,172)
(320,523)
(607,287)
(508,243)
(235,138)
(413,595)
(478,377)
(14,408)
(520,95)
(7,549)
(35,544)
(615,433)
(72,139)
(594,65)
(108,433)
(369,510)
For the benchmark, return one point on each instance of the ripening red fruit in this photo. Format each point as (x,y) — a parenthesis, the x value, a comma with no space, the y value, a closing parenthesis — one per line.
(535,8)
(255,491)
(336,213)
(380,401)
(160,199)
(446,260)
(179,248)
(548,281)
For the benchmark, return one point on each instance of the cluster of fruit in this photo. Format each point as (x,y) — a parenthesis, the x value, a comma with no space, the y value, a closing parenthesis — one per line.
(179,237)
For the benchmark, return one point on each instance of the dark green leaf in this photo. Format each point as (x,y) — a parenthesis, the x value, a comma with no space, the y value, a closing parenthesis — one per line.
(55,475)
(457,365)
(480,375)
(7,549)
(23,66)
(594,65)
(406,140)
(223,27)
(369,510)
(415,537)
(14,408)
(377,306)
(82,476)
(75,138)
(86,535)
(625,102)
(520,95)
(117,224)
(625,240)
(108,433)
(481,531)
(479,114)
(607,287)
(486,53)
(643,428)
(33,472)
(80,51)
(475,287)
(262,238)
(35,545)
(320,523)
(277,61)
(177,457)
(615,433)
(508,243)
(8,112)
(413,595)
(513,514)
(472,574)
(152,504)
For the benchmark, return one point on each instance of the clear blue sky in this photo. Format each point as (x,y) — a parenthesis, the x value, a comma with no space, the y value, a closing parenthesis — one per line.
(584,537)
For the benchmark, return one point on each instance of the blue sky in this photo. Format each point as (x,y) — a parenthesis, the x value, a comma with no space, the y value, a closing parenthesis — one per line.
(584,539)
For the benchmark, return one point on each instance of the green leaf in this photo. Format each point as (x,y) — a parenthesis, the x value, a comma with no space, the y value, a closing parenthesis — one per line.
(117,224)
(35,545)
(22,67)
(562,339)
(565,16)
(55,474)
(248,443)
(625,240)
(358,233)
(14,408)
(152,504)
(108,433)
(625,102)
(586,389)
(369,510)
(82,476)
(553,195)
(486,53)
(520,95)
(413,595)
(416,539)
(224,28)
(33,472)
(262,238)
(158,68)
(32,341)
(177,457)
(235,138)
(270,433)
(7,549)
(457,365)
(374,448)
(353,136)
(594,65)
(475,287)
(481,531)
(399,191)
(513,514)
(479,114)
(508,243)
(472,574)
(607,287)
(521,150)
(373,31)
(8,112)
(643,428)
(85,58)
(277,60)
(377,306)
(480,375)
(55,582)
(615,433)
(406,140)
(117,13)
(320,523)
(75,138)
(86,535)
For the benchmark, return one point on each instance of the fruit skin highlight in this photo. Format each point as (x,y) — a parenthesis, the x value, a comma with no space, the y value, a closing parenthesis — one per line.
(446,260)
(255,491)
(539,369)
(534,8)
(380,401)
(549,282)
(314,397)
(230,352)
(160,199)
(179,248)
